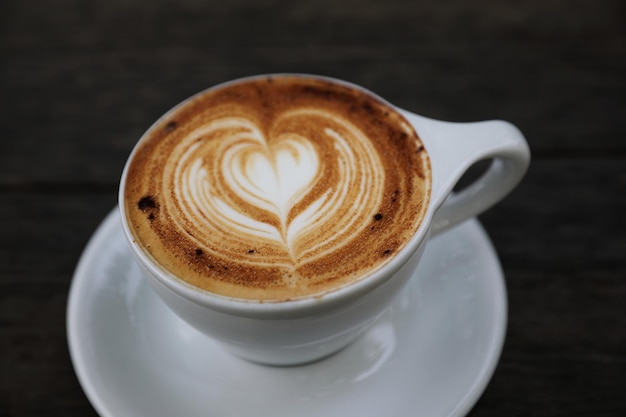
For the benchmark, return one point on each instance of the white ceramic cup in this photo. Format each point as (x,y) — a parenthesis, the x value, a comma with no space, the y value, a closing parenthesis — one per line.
(305,330)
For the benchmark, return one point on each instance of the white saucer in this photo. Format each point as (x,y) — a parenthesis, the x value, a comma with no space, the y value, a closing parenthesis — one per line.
(431,354)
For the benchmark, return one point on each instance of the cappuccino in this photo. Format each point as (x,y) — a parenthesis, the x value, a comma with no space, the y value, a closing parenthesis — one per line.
(277,188)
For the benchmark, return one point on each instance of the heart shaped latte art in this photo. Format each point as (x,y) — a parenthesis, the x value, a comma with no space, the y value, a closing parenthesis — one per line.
(289,195)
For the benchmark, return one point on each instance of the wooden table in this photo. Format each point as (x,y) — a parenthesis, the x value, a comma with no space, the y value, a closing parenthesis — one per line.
(81,81)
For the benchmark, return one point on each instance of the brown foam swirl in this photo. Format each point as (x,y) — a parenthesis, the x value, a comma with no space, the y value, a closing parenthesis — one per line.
(231,186)
(275,189)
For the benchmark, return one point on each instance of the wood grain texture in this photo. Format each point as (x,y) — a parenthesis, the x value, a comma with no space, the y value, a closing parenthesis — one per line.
(80,82)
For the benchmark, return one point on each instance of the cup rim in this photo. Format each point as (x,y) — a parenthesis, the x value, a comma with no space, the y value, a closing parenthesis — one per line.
(275,308)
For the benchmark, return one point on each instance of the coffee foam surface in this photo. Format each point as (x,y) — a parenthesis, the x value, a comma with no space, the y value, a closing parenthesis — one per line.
(277,188)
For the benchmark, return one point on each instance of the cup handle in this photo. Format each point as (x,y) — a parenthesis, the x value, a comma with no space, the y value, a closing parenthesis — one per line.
(453,148)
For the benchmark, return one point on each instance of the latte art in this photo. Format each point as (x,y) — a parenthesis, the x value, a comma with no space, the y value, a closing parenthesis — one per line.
(231,181)
(278,188)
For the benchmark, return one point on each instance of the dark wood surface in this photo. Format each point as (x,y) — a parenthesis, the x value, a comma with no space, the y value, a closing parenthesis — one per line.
(81,80)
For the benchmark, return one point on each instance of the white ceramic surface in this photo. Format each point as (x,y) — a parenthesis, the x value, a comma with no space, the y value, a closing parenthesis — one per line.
(431,354)
(302,330)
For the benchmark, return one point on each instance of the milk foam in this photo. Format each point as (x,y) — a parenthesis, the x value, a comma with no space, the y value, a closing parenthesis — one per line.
(277,188)
(230,180)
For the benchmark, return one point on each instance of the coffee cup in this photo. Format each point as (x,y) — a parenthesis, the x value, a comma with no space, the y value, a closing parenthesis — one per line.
(281,214)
